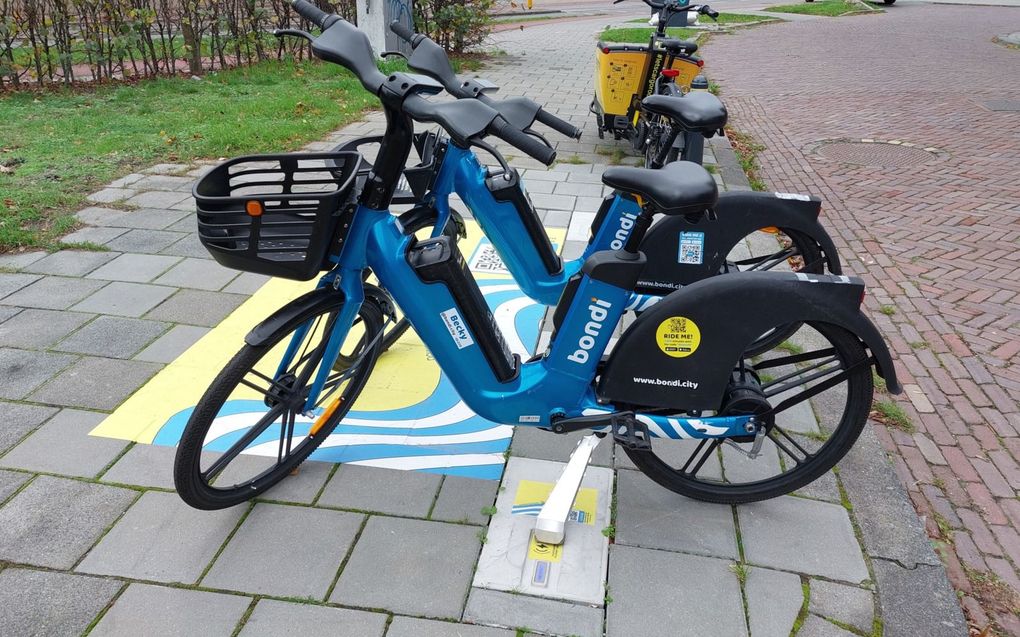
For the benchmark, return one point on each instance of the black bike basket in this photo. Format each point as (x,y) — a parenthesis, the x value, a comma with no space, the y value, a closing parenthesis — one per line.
(279,215)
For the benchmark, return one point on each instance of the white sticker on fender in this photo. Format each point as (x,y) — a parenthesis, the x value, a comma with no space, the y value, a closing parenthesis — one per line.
(793,195)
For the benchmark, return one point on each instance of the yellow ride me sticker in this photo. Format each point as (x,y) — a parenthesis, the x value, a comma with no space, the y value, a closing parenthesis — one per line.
(678,336)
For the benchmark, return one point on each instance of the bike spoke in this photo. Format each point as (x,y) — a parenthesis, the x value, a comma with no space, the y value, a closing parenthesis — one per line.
(783,447)
(794,358)
(286,436)
(230,454)
(712,446)
(801,377)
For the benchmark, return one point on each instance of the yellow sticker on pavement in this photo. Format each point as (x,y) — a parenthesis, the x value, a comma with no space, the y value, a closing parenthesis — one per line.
(544,552)
(532,495)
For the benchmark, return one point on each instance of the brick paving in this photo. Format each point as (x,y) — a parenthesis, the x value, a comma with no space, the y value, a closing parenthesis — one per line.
(93,536)
(937,243)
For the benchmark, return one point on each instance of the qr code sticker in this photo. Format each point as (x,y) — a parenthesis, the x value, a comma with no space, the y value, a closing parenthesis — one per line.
(692,248)
(485,259)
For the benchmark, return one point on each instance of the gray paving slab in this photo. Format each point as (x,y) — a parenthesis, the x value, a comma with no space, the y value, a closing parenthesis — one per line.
(675,453)
(431,579)
(817,538)
(391,491)
(18,260)
(100,216)
(701,594)
(12,282)
(8,312)
(547,616)
(46,603)
(417,627)
(136,268)
(188,246)
(918,601)
(125,181)
(157,199)
(889,525)
(96,383)
(164,182)
(19,420)
(649,516)
(197,307)
(94,234)
(145,241)
(51,292)
(111,195)
(462,500)
(532,442)
(143,465)
(70,262)
(124,299)
(112,336)
(53,521)
(168,347)
(187,223)
(272,618)
(63,446)
(149,541)
(301,488)
(846,604)
(10,482)
(774,600)
(198,274)
(266,555)
(38,329)
(815,626)
(246,283)
(160,611)
(24,370)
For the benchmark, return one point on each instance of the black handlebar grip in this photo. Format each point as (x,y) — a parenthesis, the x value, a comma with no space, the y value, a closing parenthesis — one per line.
(712,13)
(560,126)
(520,140)
(405,33)
(313,14)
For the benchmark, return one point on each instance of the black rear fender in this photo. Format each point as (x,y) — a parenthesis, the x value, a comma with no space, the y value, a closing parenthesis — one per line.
(679,354)
(739,214)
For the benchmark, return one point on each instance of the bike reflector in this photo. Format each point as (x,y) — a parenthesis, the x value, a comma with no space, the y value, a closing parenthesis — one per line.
(670,73)
(254,208)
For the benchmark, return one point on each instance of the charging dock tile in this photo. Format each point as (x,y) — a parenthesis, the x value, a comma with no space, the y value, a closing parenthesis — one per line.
(512,560)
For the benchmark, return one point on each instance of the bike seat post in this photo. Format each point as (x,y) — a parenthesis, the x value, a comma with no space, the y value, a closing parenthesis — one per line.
(641,225)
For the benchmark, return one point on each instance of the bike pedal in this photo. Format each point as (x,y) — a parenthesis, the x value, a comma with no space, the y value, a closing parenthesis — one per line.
(631,433)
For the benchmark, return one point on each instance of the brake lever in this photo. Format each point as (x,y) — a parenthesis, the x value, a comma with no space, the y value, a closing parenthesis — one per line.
(535,133)
(298,33)
(392,53)
(495,153)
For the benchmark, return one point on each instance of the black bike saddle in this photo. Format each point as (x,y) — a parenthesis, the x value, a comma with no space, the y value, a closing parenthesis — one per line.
(676,46)
(679,188)
(696,111)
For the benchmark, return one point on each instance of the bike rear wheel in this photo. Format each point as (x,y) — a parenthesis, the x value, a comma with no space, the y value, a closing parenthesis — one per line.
(250,430)
(809,434)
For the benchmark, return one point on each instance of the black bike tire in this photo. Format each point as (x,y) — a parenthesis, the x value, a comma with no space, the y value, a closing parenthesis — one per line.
(815,264)
(859,397)
(187,463)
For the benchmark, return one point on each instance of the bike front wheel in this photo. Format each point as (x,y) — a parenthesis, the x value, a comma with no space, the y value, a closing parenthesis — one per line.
(251,429)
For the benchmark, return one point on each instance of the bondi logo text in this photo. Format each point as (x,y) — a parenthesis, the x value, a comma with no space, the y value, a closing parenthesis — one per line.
(623,232)
(598,311)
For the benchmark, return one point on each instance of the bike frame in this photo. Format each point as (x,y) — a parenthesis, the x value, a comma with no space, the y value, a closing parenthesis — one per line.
(551,387)
(461,173)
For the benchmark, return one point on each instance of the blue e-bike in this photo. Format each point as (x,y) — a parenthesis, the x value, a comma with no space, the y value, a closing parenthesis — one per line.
(679,249)
(680,372)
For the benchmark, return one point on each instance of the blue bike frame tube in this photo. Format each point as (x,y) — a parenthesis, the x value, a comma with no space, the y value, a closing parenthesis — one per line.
(556,385)
(461,173)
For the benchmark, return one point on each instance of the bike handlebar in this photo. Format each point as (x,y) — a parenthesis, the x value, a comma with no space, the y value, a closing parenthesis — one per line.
(313,14)
(435,63)
(522,141)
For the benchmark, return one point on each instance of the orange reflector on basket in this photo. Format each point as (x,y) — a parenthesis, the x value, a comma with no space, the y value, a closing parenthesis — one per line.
(771,230)
(254,208)
(326,415)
